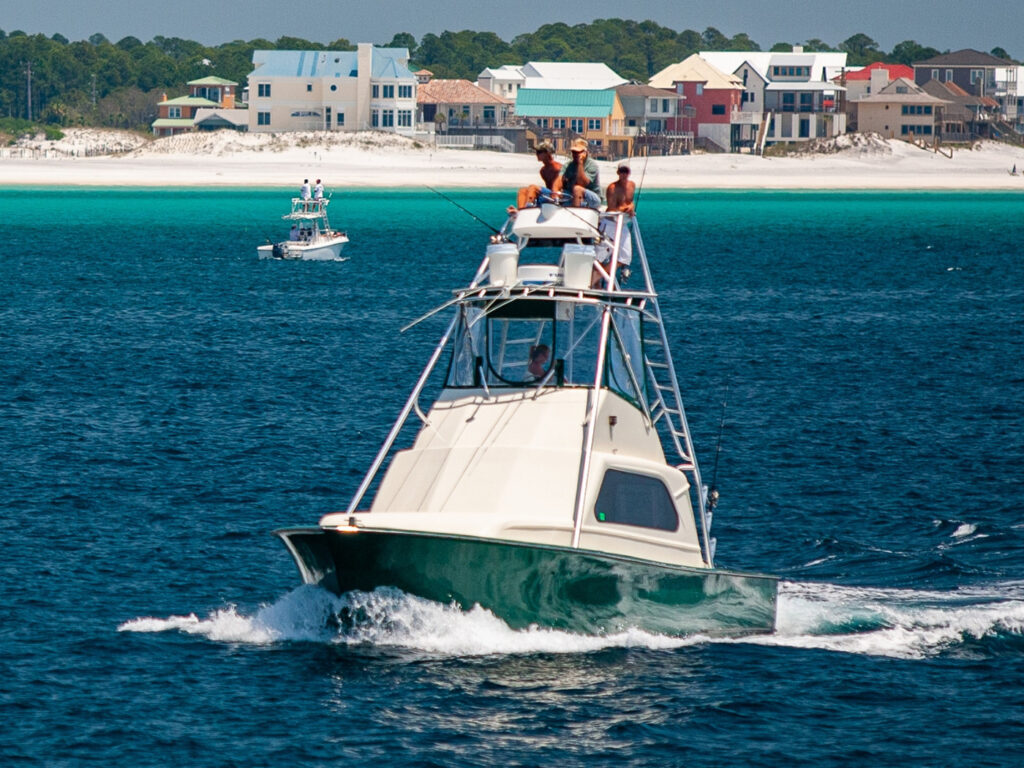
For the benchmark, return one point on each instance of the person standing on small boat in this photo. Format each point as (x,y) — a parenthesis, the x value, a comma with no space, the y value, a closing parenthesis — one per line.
(550,173)
(580,177)
(304,194)
(318,191)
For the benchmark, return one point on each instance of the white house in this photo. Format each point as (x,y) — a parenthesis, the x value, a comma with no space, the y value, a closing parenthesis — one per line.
(332,90)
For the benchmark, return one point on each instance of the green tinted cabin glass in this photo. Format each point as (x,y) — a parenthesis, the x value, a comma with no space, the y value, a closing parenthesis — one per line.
(627,498)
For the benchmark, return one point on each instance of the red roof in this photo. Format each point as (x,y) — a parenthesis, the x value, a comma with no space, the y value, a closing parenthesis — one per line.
(896,71)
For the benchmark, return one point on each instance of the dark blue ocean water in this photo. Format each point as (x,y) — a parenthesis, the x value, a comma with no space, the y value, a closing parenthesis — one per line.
(167,399)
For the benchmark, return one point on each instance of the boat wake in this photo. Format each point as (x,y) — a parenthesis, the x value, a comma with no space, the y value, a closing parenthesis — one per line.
(909,624)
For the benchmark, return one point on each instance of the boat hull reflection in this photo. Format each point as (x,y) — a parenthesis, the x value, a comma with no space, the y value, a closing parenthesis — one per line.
(527,585)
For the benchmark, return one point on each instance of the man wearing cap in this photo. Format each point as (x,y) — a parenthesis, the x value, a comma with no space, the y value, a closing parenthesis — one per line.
(579,177)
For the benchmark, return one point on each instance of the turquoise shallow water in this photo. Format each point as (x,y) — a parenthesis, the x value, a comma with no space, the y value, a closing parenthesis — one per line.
(167,400)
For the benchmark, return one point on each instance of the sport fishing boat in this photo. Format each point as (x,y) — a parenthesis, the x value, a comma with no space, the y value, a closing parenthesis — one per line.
(311,236)
(553,481)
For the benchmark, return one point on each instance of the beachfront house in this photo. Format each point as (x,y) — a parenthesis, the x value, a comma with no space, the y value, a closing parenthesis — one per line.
(369,88)
(504,82)
(966,117)
(706,99)
(979,74)
(454,103)
(462,114)
(648,114)
(787,96)
(560,115)
(179,115)
(901,110)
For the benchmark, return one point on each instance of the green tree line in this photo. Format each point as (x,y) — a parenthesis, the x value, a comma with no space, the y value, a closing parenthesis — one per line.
(118,84)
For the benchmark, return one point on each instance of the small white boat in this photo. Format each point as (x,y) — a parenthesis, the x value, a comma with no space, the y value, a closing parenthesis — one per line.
(554,480)
(311,235)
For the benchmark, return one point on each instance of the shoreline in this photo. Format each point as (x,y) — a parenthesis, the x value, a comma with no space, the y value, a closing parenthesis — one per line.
(380,161)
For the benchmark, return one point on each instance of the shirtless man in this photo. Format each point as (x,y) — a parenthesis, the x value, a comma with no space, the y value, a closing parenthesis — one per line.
(550,172)
(620,192)
(620,199)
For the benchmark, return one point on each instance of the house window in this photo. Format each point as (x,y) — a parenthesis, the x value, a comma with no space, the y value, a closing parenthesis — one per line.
(309,87)
(375,119)
(927,110)
(262,118)
(387,118)
(718,109)
(375,91)
(977,75)
(654,105)
(488,114)
(339,118)
(576,124)
(263,90)
(935,74)
(949,75)
(388,91)
(627,498)
(788,102)
(405,118)
(405,91)
(593,124)
(559,123)
(334,86)
(174,112)
(700,89)
(542,122)
(806,102)
(664,106)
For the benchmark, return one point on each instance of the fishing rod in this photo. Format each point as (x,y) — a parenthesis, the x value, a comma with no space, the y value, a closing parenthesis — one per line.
(713,493)
(464,210)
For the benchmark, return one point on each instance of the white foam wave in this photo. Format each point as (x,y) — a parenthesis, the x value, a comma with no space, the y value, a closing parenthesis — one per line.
(907,624)
(889,622)
(388,618)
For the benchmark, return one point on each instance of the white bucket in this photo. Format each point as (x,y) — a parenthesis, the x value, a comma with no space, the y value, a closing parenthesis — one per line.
(577,264)
(503,261)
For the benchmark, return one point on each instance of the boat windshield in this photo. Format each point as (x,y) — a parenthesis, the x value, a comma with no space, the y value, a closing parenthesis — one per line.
(555,343)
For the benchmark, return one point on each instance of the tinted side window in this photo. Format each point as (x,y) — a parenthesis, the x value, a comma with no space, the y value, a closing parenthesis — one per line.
(631,499)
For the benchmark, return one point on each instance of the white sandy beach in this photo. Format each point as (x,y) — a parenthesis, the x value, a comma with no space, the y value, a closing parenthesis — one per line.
(386,160)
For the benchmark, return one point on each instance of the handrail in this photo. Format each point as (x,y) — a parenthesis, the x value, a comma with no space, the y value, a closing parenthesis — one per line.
(410,403)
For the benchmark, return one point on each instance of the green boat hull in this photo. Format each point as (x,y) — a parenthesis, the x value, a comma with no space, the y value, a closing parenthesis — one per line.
(527,584)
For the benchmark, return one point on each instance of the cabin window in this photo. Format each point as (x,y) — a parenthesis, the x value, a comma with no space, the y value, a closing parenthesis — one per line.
(627,498)
(519,351)
(625,370)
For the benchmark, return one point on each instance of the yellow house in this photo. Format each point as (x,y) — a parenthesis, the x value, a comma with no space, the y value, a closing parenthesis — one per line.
(562,115)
